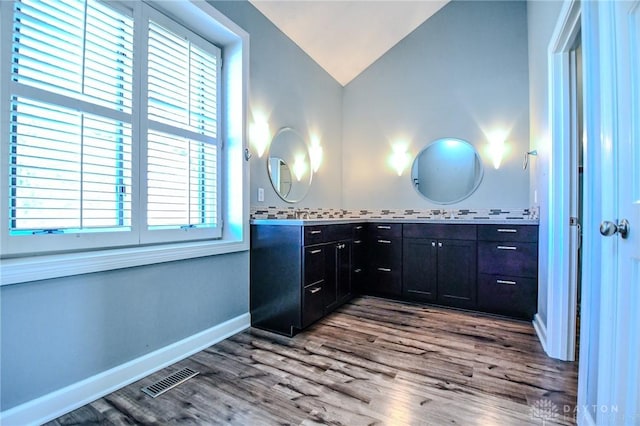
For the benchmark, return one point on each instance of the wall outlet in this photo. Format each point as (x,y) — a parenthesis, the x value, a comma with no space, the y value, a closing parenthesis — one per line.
(260,194)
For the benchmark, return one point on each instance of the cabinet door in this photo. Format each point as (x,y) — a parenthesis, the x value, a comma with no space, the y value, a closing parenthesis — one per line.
(420,269)
(338,275)
(457,273)
(344,271)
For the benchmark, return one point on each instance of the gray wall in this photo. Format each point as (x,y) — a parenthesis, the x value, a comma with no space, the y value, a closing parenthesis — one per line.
(542,18)
(292,89)
(60,331)
(463,71)
(57,332)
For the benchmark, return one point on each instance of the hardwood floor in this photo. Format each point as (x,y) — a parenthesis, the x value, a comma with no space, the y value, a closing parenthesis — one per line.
(373,361)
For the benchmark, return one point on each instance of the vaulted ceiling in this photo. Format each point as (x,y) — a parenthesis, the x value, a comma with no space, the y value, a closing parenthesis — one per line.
(345,37)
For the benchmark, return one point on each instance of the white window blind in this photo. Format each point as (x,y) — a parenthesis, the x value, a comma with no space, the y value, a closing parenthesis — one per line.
(182,142)
(113,139)
(71,118)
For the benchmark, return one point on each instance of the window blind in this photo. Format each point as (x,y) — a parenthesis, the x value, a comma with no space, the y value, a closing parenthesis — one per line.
(70,123)
(182,144)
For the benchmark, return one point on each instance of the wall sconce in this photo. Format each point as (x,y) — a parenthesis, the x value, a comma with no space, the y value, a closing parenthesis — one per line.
(300,166)
(525,164)
(399,159)
(315,153)
(497,147)
(259,135)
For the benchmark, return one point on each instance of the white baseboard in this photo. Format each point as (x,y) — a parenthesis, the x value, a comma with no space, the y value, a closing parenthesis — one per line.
(541,331)
(55,404)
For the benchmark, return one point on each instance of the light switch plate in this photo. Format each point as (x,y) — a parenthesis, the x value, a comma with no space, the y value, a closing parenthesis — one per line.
(260,194)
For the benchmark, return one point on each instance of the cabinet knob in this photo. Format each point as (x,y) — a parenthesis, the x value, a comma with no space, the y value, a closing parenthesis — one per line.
(439,244)
(433,243)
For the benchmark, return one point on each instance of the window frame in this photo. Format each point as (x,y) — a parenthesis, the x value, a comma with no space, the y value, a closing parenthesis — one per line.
(203,19)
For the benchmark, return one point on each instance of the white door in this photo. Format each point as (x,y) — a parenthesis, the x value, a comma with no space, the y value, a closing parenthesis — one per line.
(609,382)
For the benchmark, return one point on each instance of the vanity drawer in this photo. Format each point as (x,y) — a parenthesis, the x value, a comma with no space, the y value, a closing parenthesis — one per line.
(522,233)
(386,252)
(312,304)
(439,231)
(314,235)
(386,229)
(385,280)
(359,231)
(339,232)
(508,258)
(506,295)
(314,264)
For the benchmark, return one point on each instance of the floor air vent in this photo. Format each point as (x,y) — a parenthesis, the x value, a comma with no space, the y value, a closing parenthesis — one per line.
(169,382)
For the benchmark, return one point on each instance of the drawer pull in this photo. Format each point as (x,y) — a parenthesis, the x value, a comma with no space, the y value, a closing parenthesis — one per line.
(384,227)
(315,290)
(316,232)
(358,227)
(357,242)
(384,269)
(384,241)
(513,231)
(340,246)
(506,282)
(357,271)
(433,243)
(439,244)
(507,248)
(315,251)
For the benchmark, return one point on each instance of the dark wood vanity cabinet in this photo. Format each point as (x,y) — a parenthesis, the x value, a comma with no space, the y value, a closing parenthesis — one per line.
(299,274)
(439,264)
(385,259)
(508,269)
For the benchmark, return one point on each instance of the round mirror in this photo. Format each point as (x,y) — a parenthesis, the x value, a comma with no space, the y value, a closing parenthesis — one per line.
(447,171)
(289,165)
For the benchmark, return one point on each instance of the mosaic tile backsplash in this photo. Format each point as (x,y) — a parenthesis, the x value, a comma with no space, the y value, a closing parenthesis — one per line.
(320,213)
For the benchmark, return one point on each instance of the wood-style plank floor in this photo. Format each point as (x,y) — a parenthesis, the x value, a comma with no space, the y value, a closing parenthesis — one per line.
(373,361)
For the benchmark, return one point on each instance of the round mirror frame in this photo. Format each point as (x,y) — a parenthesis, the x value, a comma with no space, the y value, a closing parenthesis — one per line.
(297,190)
(442,179)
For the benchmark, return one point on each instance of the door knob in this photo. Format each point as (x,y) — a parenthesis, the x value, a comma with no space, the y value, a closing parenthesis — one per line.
(609,228)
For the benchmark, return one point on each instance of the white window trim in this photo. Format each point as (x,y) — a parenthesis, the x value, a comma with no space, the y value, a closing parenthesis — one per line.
(205,20)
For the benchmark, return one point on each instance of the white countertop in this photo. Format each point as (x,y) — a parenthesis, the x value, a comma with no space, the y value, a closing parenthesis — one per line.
(337,221)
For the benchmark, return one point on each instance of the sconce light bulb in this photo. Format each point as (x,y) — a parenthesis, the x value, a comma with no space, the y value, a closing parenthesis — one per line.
(259,136)
(315,152)
(497,147)
(399,158)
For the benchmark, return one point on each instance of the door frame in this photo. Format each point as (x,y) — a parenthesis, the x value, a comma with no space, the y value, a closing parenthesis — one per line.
(558,335)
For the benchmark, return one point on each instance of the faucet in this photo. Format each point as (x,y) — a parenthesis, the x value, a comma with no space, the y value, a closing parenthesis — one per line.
(302,214)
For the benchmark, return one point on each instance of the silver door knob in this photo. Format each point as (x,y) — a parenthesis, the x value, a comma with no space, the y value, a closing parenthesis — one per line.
(609,228)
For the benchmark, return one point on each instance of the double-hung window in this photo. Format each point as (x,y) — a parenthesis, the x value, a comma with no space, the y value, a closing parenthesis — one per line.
(113,128)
